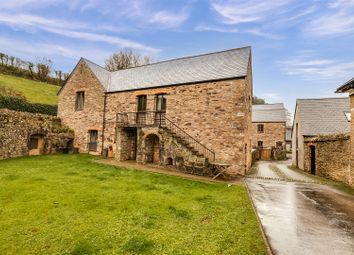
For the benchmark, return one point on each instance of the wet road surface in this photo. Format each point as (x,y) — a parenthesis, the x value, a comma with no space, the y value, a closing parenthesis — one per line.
(299,216)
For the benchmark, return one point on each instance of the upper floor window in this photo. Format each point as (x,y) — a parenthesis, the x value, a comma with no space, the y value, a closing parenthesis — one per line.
(260,144)
(142,101)
(161,103)
(79,101)
(260,128)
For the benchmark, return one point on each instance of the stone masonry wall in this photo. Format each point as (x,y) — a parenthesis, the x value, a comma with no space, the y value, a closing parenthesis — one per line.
(215,113)
(91,117)
(16,129)
(351,176)
(273,132)
(218,114)
(332,157)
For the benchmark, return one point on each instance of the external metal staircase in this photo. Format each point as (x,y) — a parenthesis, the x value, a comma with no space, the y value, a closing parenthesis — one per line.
(158,119)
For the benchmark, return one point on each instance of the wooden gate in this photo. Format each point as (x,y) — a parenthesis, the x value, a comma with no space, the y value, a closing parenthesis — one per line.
(265,154)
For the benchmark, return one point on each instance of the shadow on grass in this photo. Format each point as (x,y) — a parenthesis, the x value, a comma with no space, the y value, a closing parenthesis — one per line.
(138,245)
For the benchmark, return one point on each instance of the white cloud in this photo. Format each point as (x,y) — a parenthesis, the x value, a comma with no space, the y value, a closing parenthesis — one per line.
(169,19)
(68,29)
(29,51)
(337,19)
(260,33)
(237,12)
(202,28)
(310,68)
(272,97)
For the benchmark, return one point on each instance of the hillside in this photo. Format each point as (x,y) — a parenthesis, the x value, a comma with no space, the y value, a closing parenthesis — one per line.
(35,92)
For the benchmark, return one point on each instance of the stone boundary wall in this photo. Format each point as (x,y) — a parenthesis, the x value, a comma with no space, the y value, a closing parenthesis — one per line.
(332,157)
(16,129)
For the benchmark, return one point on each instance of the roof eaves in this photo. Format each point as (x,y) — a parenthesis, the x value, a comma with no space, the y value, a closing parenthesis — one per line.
(346,86)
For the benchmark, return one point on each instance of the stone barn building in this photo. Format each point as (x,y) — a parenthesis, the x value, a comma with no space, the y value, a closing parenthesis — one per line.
(268,125)
(348,87)
(320,137)
(169,113)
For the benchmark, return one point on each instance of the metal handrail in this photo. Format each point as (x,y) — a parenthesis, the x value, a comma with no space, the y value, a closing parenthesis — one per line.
(208,153)
(153,118)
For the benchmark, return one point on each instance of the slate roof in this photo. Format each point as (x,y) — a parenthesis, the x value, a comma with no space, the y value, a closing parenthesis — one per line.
(346,86)
(213,66)
(324,116)
(269,113)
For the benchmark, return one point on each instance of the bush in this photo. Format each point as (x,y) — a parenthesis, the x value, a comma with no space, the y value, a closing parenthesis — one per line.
(20,104)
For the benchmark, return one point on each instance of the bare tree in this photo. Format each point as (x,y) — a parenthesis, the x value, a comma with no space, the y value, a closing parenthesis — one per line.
(126,58)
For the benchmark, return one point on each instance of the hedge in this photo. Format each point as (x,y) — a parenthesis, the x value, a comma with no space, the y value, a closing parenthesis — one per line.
(20,104)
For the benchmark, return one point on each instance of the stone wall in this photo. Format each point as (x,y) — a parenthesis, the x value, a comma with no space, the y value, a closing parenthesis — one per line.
(273,132)
(91,117)
(218,114)
(332,157)
(297,140)
(16,129)
(215,113)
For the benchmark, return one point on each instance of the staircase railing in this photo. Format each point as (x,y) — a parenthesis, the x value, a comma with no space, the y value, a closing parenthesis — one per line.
(167,123)
(150,118)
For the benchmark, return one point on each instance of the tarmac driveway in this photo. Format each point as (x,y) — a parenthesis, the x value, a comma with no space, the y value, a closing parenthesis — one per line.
(300,216)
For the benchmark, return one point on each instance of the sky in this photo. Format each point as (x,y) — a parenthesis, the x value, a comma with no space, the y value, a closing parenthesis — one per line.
(300,49)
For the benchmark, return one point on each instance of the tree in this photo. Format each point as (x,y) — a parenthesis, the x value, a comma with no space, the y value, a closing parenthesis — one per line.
(44,67)
(257,100)
(126,58)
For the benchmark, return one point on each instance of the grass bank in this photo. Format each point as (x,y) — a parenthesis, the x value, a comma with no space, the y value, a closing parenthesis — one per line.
(35,92)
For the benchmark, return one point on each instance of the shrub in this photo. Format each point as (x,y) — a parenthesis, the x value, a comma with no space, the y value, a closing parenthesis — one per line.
(22,105)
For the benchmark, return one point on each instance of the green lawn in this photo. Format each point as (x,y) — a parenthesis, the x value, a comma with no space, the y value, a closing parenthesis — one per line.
(68,204)
(35,92)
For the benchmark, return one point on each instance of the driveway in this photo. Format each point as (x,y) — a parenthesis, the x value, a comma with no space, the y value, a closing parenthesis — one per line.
(300,216)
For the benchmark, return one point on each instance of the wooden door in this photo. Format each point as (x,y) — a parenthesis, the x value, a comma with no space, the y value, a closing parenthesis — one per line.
(265,154)
(156,153)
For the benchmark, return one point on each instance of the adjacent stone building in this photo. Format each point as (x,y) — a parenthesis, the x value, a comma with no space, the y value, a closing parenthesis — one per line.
(268,125)
(23,133)
(320,137)
(348,87)
(171,112)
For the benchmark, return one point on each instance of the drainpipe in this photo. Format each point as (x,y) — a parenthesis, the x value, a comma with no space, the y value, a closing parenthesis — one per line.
(104,120)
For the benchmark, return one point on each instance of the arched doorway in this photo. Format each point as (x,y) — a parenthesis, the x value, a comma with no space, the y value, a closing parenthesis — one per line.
(152,148)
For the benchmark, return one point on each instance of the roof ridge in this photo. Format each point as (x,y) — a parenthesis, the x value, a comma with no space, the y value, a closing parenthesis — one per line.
(322,98)
(185,57)
(91,62)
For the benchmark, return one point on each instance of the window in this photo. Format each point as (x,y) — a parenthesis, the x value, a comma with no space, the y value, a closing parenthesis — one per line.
(79,101)
(348,116)
(142,103)
(260,143)
(260,128)
(279,144)
(161,103)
